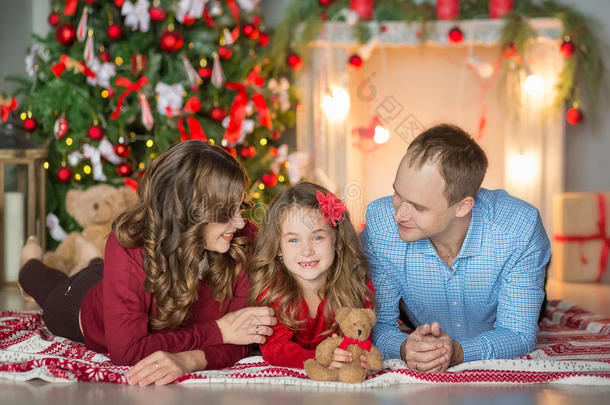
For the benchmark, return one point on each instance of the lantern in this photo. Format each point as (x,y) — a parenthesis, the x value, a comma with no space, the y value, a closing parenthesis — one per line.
(22,197)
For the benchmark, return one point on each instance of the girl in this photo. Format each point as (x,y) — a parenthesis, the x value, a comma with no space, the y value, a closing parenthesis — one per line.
(307,263)
(171,294)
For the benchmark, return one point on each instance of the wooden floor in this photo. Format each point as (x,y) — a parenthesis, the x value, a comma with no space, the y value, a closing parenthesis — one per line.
(595,298)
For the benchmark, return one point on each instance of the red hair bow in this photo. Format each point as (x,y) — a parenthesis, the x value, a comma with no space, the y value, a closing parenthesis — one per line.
(332,207)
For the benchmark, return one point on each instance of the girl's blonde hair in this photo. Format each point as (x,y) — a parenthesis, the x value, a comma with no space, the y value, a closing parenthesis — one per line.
(190,185)
(346,282)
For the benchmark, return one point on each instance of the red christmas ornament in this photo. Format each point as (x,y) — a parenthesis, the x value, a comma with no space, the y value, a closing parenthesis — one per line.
(250,31)
(119,3)
(294,61)
(231,150)
(364,8)
(122,149)
(30,124)
(95,132)
(53,19)
(64,174)
(497,8)
(65,34)
(157,14)
(248,152)
(447,9)
(124,169)
(105,56)
(256,20)
(325,2)
(455,35)
(171,41)
(510,50)
(114,31)
(138,63)
(269,179)
(275,135)
(205,72)
(263,39)
(274,152)
(567,48)
(355,60)
(574,116)
(61,127)
(218,114)
(225,52)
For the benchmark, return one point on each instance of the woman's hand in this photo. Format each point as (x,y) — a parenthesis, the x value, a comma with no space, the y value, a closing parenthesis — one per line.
(247,325)
(162,368)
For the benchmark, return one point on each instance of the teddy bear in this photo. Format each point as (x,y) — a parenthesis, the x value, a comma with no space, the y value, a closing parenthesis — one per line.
(94,209)
(356,325)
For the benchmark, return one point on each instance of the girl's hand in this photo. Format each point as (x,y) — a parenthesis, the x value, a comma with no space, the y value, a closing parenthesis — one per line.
(162,368)
(340,358)
(247,325)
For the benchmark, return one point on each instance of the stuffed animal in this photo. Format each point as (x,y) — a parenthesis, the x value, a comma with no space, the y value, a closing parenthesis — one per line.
(94,209)
(356,325)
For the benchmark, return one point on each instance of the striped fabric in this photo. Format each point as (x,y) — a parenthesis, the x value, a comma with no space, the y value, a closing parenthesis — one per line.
(489,302)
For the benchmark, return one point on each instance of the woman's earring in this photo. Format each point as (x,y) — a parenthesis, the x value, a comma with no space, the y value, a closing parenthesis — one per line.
(203,265)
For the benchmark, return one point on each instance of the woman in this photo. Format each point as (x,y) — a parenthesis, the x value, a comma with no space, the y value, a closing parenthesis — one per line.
(171,295)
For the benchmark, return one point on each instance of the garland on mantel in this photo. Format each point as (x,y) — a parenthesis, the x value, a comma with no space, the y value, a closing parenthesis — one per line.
(580,79)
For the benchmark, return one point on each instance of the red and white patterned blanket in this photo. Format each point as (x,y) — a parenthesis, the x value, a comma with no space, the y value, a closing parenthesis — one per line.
(573,348)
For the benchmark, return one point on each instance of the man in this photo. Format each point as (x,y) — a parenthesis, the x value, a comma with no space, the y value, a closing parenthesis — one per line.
(468,263)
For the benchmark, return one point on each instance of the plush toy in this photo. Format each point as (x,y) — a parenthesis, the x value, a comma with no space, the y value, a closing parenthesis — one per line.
(94,209)
(356,325)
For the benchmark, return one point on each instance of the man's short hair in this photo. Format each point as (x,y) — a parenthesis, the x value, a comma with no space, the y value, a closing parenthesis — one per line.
(461,161)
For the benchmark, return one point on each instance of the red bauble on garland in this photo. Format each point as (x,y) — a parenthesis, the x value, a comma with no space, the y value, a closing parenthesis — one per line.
(455,35)
(114,31)
(263,39)
(574,116)
(124,169)
(157,14)
(247,152)
(30,124)
(250,31)
(171,41)
(355,60)
(232,151)
(294,61)
(61,127)
(64,174)
(225,52)
(447,9)
(53,19)
(269,179)
(119,3)
(218,114)
(95,132)
(567,48)
(205,72)
(122,149)
(65,34)
(364,8)
(497,8)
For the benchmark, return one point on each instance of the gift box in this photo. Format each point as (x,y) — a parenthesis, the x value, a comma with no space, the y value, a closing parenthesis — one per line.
(581,222)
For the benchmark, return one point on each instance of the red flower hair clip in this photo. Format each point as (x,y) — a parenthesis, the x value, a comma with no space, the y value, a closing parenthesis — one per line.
(332,207)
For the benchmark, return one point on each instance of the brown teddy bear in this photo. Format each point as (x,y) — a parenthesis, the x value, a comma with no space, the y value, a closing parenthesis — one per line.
(94,209)
(356,325)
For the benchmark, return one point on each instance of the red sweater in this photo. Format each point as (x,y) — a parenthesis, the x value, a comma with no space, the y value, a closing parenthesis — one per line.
(115,314)
(288,348)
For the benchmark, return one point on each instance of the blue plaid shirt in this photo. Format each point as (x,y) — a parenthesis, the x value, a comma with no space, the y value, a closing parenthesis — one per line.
(489,303)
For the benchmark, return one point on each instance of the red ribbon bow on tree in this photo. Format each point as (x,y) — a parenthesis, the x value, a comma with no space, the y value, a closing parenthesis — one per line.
(192,106)
(67,62)
(6,106)
(125,82)
(238,112)
(332,207)
(365,344)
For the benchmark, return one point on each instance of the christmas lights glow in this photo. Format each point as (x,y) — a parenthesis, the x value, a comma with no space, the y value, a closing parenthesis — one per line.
(336,104)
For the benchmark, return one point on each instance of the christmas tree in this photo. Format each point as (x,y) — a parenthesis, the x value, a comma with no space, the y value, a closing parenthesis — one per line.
(115,83)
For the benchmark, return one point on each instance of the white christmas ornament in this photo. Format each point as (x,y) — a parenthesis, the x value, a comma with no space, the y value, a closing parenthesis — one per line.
(137,16)
(105,150)
(170,97)
(190,9)
(55,230)
(81,30)
(281,89)
(218,76)
(248,5)
(103,72)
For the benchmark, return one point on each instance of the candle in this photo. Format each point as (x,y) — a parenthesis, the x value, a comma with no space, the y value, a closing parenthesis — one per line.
(13,234)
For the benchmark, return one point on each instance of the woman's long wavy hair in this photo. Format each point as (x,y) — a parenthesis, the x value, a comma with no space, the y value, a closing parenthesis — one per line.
(190,185)
(346,282)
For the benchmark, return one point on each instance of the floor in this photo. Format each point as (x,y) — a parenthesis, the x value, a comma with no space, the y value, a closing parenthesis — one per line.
(595,298)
